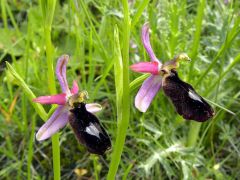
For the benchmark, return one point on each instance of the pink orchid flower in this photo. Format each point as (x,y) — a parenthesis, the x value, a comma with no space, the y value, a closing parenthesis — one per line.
(61,115)
(187,102)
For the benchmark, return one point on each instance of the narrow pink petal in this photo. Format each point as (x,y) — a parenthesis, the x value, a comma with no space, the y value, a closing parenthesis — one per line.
(75,88)
(54,99)
(61,73)
(147,92)
(146,67)
(146,42)
(93,107)
(57,121)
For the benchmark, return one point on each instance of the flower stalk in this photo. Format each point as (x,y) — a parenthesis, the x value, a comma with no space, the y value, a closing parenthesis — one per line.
(48,8)
(193,133)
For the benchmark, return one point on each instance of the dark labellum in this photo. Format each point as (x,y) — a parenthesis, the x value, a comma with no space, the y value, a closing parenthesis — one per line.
(88,130)
(185,99)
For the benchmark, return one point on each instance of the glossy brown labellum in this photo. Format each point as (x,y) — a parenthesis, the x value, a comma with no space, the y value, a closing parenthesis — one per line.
(187,102)
(88,130)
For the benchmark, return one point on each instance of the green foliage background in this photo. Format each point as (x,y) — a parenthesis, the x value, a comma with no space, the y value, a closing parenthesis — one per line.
(159,144)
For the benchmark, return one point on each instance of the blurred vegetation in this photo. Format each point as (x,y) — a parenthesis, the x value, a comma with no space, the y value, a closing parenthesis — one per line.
(159,142)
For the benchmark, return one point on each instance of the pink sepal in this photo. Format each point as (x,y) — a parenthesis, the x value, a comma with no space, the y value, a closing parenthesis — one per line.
(61,73)
(146,42)
(57,121)
(146,67)
(147,92)
(54,99)
(75,88)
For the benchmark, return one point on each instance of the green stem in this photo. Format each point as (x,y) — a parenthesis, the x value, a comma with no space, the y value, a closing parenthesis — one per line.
(124,110)
(48,8)
(56,156)
(52,89)
(193,133)
(95,162)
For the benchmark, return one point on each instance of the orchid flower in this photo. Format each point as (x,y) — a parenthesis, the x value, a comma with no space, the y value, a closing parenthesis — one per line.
(61,115)
(185,99)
